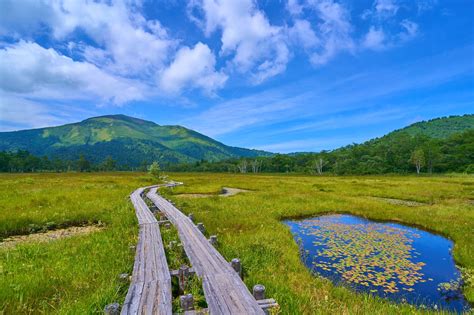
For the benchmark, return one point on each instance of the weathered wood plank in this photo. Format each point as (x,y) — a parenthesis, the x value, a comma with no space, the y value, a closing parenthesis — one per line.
(224,290)
(150,288)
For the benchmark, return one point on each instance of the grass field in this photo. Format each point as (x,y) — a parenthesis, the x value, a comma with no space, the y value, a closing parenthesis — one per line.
(79,275)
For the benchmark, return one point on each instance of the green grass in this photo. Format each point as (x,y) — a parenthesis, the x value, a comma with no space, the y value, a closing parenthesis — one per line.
(249,227)
(77,275)
(80,275)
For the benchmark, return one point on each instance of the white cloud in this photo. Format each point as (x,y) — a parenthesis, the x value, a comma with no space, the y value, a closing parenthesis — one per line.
(13,114)
(330,31)
(386,8)
(29,69)
(410,30)
(303,34)
(374,39)
(192,67)
(255,45)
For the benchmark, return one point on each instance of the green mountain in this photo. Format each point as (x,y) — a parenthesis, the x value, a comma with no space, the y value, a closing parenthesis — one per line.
(130,141)
(439,128)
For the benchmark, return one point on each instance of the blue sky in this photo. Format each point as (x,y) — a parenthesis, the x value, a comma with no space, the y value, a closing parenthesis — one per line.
(283,76)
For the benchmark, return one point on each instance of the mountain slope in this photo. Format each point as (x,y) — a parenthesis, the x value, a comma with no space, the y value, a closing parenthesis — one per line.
(130,141)
(439,128)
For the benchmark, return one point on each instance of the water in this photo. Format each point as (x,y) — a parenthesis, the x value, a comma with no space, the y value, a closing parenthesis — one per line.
(391,260)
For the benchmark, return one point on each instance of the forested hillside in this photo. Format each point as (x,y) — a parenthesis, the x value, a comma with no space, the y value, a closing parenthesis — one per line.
(439,145)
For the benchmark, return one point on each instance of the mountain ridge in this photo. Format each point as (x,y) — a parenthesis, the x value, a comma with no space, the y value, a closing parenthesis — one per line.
(129,140)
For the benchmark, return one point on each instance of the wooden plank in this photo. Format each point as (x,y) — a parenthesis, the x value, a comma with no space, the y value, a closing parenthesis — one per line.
(225,292)
(150,288)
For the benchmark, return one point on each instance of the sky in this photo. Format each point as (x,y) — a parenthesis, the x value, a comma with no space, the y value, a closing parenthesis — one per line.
(276,75)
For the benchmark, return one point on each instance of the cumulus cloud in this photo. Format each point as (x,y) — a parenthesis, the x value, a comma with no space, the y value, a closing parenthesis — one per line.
(255,45)
(193,67)
(328,26)
(374,39)
(29,69)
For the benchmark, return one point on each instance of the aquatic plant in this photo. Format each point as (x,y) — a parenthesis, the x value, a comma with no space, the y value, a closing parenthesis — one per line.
(366,254)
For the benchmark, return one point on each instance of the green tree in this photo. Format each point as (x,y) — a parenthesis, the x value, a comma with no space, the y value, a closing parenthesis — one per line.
(154,170)
(418,159)
(83,165)
(109,164)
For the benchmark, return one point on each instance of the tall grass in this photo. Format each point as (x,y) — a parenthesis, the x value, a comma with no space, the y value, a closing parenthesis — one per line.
(77,275)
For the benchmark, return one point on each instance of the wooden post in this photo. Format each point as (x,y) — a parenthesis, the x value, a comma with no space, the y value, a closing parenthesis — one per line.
(259,292)
(167,225)
(191,217)
(201,228)
(183,274)
(235,263)
(112,309)
(213,240)
(187,302)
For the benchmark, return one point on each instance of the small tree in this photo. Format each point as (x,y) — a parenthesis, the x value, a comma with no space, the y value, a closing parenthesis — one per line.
(318,165)
(83,164)
(418,159)
(154,170)
(109,164)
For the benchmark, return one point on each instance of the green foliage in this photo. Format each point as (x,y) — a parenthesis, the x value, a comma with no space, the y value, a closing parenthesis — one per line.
(418,159)
(390,154)
(154,170)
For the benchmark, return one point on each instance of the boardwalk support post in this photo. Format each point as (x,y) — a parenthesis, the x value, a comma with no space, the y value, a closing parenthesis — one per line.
(259,292)
(237,266)
(187,302)
(112,309)
(201,228)
(191,217)
(213,240)
(183,274)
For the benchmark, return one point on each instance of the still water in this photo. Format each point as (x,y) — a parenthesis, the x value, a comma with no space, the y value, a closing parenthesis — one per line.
(387,259)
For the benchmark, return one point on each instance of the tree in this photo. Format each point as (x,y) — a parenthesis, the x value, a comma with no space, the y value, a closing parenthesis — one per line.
(256,165)
(418,159)
(242,166)
(154,170)
(83,165)
(318,164)
(109,164)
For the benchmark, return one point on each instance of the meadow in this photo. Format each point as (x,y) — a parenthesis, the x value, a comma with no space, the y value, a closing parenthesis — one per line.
(79,275)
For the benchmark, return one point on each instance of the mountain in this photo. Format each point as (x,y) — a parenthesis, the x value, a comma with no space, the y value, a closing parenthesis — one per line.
(439,128)
(129,141)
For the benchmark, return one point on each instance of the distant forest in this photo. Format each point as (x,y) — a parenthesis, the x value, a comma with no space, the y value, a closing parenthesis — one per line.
(399,152)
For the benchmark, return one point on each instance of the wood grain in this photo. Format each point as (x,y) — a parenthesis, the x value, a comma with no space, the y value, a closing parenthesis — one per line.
(225,292)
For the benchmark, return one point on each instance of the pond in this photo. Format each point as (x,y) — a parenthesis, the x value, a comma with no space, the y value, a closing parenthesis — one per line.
(391,260)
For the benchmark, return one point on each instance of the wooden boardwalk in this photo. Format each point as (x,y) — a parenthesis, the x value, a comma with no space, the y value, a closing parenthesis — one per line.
(150,288)
(225,292)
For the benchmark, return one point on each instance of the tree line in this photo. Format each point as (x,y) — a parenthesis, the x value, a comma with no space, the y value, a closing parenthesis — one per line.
(399,153)
(396,153)
(23,161)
